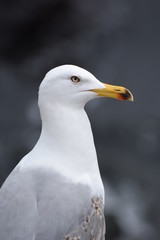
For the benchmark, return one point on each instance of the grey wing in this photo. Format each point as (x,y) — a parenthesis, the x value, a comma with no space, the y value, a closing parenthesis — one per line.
(93,227)
(18,213)
(43,206)
(62,206)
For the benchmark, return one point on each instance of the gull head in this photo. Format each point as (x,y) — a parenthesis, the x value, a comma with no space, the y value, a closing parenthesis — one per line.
(75,86)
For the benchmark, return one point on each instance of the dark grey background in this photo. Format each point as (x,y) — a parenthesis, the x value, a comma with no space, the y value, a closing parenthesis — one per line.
(119,42)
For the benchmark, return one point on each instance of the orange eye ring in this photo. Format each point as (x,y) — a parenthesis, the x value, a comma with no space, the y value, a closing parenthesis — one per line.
(75,79)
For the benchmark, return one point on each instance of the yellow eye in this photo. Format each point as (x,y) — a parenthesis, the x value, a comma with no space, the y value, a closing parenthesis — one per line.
(75,79)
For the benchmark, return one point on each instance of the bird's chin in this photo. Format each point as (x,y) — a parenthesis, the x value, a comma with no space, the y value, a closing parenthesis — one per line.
(83,97)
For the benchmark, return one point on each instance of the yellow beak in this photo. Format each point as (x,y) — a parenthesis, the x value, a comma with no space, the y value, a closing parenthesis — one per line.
(116,92)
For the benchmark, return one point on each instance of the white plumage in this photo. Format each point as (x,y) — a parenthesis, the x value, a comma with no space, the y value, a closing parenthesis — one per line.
(56,191)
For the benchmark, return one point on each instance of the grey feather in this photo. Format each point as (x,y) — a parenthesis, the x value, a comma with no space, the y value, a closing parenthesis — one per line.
(42,205)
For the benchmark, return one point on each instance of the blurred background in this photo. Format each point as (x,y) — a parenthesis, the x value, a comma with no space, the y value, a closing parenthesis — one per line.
(119,42)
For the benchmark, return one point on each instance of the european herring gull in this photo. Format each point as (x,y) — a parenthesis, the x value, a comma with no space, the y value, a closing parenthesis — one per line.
(56,191)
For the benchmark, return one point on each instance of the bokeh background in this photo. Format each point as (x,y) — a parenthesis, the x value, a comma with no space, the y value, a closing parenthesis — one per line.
(119,42)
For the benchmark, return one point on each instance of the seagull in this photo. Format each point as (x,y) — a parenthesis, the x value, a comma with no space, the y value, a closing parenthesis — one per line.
(56,191)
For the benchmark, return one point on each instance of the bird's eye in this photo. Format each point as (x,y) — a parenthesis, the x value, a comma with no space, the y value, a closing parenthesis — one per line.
(75,79)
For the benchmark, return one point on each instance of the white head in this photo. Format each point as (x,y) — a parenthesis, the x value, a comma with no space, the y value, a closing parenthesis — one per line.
(74,86)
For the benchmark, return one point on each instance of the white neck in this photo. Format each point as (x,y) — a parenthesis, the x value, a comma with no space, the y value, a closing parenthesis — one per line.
(67,136)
